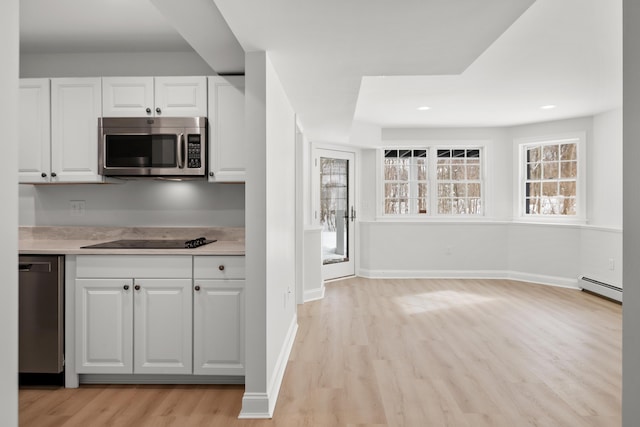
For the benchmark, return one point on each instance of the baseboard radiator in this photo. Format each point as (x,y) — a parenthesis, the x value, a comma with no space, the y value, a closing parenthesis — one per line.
(600,288)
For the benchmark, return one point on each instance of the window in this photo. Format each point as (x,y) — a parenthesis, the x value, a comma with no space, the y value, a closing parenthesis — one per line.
(459,185)
(432,181)
(405,182)
(550,185)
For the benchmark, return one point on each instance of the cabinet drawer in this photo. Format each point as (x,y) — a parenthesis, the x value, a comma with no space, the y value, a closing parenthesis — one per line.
(134,266)
(218,267)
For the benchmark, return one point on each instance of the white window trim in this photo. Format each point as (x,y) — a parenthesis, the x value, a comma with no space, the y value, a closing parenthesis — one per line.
(432,148)
(581,181)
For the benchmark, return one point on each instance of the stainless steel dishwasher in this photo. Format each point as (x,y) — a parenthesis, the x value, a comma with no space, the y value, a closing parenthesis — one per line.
(41,314)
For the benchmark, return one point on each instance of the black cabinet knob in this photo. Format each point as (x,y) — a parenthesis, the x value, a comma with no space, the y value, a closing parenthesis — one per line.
(148,110)
(221,267)
(158,110)
(197,288)
(136,287)
(125,287)
(44,175)
(53,175)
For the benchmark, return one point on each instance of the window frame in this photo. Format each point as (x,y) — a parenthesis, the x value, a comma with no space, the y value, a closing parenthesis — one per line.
(432,182)
(522,145)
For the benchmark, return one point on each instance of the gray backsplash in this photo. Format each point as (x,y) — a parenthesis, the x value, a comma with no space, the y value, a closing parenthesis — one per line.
(134,204)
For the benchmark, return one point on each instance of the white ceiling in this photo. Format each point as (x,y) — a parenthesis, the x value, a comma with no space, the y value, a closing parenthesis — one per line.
(69,26)
(475,63)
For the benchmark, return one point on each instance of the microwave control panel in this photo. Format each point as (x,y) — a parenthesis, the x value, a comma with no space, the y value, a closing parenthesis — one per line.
(194,152)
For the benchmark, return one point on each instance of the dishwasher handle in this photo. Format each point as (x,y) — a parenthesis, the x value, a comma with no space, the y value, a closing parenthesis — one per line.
(34,267)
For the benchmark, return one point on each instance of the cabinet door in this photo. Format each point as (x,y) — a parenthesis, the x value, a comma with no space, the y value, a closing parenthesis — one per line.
(226,129)
(104,326)
(218,327)
(75,108)
(163,326)
(181,96)
(127,97)
(35,137)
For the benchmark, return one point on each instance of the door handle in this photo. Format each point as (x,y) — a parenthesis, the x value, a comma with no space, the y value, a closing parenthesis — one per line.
(353,214)
(181,150)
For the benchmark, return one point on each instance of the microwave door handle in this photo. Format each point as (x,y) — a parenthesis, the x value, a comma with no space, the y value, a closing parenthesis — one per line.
(181,151)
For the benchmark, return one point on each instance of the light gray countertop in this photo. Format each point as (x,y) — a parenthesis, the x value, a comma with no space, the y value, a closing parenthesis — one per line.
(69,240)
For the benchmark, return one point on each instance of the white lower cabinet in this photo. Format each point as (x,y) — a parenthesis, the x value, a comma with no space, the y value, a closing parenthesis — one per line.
(162,321)
(218,325)
(218,315)
(104,326)
(138,314)
(133,325)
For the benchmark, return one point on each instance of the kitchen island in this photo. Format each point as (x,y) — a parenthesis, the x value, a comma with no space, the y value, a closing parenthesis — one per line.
(149,315)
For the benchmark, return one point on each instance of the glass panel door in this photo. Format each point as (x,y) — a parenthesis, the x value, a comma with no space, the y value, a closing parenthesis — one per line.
(335,212)
(334,209)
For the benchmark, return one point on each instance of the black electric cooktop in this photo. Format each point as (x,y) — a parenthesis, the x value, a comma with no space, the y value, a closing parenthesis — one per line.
(152,244)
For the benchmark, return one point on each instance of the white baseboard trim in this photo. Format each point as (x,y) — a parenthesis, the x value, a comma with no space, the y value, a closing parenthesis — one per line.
(262,405)
(432,274)
(562,282)
(314,294)
(255,406)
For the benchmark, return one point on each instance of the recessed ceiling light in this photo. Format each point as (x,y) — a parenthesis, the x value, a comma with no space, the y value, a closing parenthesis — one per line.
(548,107)
(424,108)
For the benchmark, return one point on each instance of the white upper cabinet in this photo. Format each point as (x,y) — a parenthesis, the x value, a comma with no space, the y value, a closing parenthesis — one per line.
(75,108)
(182,96)
(127,96)
(59,130)
(34,164)
(226,129)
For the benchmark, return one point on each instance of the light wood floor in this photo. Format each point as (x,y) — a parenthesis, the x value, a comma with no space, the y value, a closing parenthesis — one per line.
(463,353)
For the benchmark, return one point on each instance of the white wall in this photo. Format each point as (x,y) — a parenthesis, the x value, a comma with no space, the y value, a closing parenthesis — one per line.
(8,226)
(270,235)
(601,245)
(255,402)
(631,133)
(281,209)
(135,204)
(543,253)
(430,249)
(113,64)
(604,166)
(367,191)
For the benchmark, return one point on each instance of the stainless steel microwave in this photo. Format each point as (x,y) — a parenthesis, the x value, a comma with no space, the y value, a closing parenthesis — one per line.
(152,147)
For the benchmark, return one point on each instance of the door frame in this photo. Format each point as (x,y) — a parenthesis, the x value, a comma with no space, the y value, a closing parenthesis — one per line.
(316,149)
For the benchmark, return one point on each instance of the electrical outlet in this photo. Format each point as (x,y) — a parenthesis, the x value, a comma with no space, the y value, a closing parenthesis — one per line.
(76,207)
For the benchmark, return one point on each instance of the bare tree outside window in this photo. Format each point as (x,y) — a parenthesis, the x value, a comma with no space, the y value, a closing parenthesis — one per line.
(448,184)
(459,186)
(551,177)
(334,198)
(405,182)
